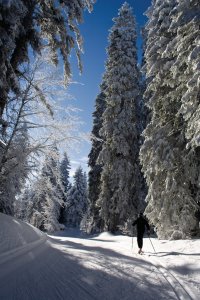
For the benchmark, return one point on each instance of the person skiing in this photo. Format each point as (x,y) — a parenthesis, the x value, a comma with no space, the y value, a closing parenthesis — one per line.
(141,223)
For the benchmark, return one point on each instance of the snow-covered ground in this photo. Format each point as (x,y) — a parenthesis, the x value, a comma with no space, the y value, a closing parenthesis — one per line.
(71,265)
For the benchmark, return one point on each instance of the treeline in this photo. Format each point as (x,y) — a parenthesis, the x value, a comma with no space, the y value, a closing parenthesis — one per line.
(51,200)
(147,125)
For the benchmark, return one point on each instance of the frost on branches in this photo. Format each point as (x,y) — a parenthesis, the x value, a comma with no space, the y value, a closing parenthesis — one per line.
(47,195)
(119,199)
(64,172)
(168,155)
(30,119)
(77,200)
(14,170)
(36,24)
(94,175)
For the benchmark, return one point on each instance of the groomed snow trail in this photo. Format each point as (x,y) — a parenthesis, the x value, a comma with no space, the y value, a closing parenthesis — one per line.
(74,267)
(67,269)
(179,287)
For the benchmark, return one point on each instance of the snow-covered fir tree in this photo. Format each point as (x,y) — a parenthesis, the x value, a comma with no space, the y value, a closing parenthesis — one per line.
(119,199)
(186,70)
(94,175)
(21,204)
(167,162)
(77,199)
(187,18)
(35,24)
(47,194)
(64,170)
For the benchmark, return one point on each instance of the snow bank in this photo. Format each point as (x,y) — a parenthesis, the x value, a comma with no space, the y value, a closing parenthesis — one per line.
(15,234)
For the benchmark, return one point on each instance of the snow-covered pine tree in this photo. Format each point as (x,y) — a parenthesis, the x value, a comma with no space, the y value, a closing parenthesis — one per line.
(187,18)
(121,177)
(145,112)
(186,70)
(64,170)
(164,155)
(77,200)
(84,221)
(47,196)
(21,205)
(36,24)
(94,175)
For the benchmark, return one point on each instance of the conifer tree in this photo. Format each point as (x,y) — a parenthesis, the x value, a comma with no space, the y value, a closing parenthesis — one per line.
(165,157)
(94,175)
(119,199)
(77,200)
(64,170)
(22,204)
(47,197)
(186,70)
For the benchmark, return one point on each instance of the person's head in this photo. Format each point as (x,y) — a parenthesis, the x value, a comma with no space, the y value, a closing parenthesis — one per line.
(140,214)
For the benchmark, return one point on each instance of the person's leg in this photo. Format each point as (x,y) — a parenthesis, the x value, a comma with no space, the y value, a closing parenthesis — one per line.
(140,242)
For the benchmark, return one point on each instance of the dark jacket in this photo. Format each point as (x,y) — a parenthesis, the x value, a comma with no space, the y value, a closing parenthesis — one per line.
(141,223)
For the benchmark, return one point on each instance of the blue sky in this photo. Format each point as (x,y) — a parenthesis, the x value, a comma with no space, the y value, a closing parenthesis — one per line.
(95,30)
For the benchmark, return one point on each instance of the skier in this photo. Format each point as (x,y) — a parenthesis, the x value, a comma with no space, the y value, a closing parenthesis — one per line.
(141,223)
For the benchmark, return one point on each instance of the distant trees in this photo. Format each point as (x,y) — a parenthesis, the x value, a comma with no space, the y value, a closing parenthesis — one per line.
(64,172)
(64,169)
(47,194)
(51,200)
(120,186)
(170,153)
(77,202)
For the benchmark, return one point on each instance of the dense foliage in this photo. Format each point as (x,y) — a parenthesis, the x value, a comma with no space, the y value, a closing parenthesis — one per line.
(119,199)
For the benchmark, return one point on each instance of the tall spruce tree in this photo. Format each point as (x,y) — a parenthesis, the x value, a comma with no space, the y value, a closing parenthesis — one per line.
(94,175)
(64,170)
(164,155)
(119,199)
(36,24)
(77,199)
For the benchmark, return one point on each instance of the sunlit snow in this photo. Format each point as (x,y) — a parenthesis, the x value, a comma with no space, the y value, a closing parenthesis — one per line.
(72,265)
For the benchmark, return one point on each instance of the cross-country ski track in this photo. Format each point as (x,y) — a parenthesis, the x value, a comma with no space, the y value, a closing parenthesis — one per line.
(71,265)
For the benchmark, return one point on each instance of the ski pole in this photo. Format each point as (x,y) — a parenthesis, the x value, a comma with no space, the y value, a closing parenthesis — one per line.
(152,245)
